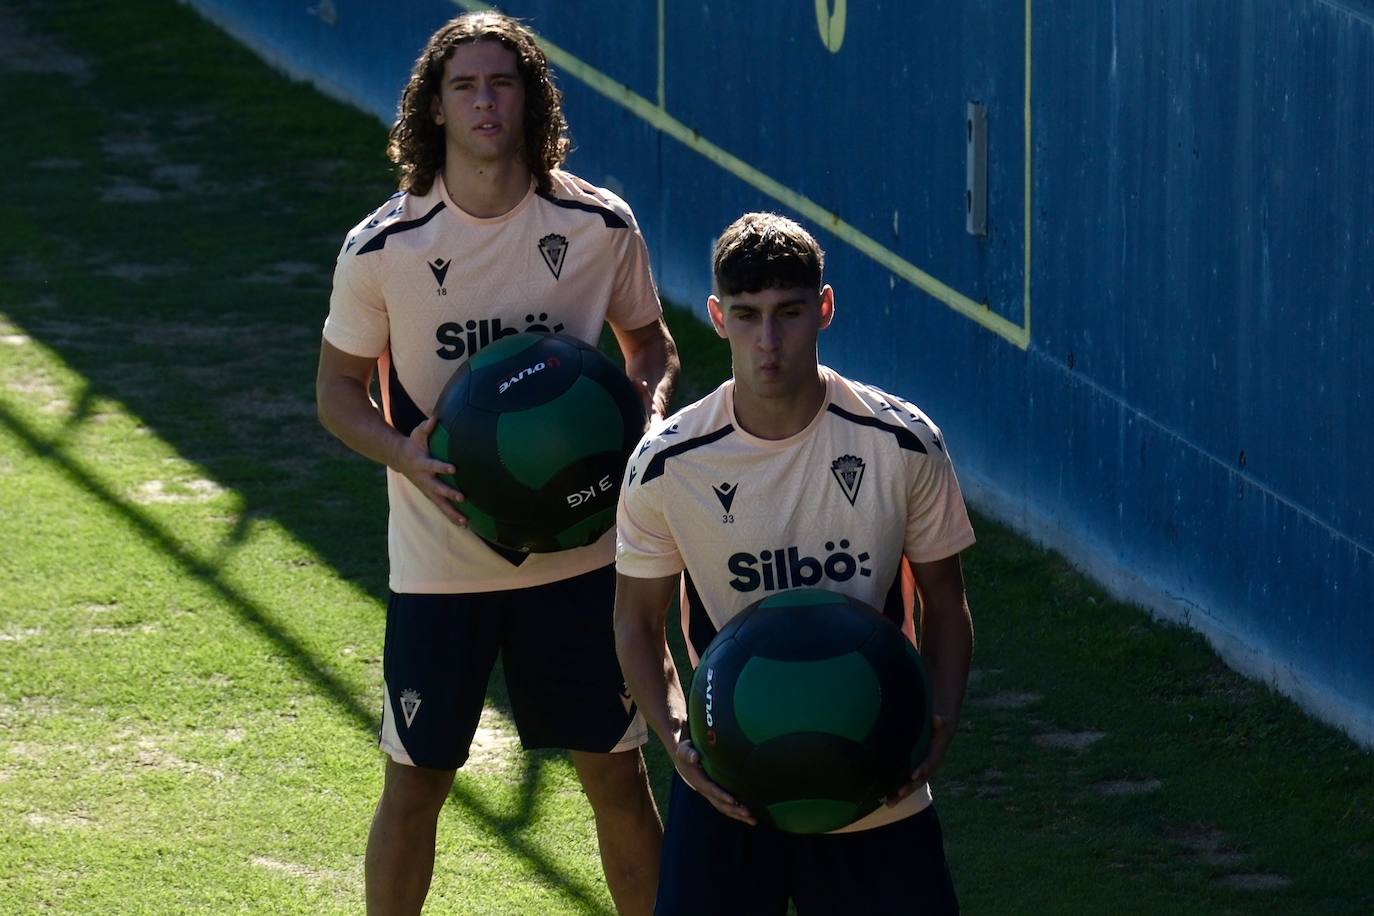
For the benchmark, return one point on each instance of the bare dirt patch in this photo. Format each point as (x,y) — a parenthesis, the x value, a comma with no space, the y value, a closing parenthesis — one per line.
(1256,881)
(1007,700)
(295,466)
(978,675)
(285,273)
(987,783)
(296,870)
(69,821)
(148,754)
(495,746)
(264,404)
(142,629)
(40,392)
(129,146)
(192,120)
(122,192)
(213,333)
(1119,787)
(30,753)
(24,267)
(20,634)
(1069,741)
(62,333)
(24,51)
(36,389)
(185,175)
(1208,846)
(139,272)
(190,491)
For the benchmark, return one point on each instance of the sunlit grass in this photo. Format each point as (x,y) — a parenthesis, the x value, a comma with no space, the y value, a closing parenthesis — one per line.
(192,572)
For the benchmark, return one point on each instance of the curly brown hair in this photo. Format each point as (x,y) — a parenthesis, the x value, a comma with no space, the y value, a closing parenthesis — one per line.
(762,251)
(416,143)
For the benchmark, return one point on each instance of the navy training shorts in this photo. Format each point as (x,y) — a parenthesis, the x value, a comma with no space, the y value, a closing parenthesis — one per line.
(714,864)
(557,649)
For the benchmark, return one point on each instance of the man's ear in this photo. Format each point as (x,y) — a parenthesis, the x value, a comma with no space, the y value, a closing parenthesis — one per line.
(436,111)
(827,306)
(713,307)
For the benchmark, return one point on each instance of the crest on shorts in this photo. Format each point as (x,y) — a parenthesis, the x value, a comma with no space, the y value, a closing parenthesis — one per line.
(554,248)
(410,705)
(849,474)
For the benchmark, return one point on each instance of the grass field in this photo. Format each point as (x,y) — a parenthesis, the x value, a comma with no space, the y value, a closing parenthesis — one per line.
(192,570)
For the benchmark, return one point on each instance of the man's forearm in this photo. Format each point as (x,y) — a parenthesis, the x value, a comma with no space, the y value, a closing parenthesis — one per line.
(652,679)
(653,360)
(346,410)
(947,648)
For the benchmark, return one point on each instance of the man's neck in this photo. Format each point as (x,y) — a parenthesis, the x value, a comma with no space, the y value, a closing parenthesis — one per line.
(488,189)
(778,418)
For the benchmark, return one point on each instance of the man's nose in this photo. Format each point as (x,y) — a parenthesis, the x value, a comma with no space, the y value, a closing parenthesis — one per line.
(768,334)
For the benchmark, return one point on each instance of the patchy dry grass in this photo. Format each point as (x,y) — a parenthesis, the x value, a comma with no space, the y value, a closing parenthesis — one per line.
(191,616)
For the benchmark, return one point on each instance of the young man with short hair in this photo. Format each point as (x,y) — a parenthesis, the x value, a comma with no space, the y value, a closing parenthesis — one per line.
(754,467)
(487,237)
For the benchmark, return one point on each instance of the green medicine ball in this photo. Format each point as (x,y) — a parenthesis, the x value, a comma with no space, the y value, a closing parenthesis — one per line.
(810,707)
(539,427)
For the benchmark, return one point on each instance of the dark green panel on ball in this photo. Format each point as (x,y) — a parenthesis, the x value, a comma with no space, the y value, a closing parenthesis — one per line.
(839,696)
(583,421)
(481,523)
(438,448)
(587,530)
(813,815)
(501,349)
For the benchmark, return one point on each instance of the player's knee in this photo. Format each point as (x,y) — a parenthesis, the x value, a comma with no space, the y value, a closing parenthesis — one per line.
(614,783)
(415,791)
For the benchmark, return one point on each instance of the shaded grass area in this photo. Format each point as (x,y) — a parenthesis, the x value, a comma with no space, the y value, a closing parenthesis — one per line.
(190,623)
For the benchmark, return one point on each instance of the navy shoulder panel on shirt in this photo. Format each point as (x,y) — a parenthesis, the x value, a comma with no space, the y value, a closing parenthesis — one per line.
(905,437)
(659,461)
(378,241)
(612,219)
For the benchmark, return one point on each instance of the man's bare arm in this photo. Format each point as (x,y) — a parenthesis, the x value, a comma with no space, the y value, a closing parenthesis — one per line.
(947,648)
(346,409)
(651,362)
(641,613)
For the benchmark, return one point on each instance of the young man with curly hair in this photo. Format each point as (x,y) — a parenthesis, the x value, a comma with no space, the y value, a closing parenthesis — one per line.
(754,470)
(487,237)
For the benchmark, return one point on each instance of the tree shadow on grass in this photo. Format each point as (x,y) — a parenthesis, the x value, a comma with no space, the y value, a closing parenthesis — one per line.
(198,334)
(307,666)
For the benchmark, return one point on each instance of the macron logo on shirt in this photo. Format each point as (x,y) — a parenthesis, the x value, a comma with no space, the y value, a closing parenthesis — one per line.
(726,494)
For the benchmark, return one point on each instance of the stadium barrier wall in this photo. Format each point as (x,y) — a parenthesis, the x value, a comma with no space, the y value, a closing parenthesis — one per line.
(1122,253)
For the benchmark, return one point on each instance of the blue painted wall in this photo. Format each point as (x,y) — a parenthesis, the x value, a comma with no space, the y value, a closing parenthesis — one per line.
(1182,405)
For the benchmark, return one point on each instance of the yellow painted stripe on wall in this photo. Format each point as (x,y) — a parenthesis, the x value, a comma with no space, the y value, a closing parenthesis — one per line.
(658,117)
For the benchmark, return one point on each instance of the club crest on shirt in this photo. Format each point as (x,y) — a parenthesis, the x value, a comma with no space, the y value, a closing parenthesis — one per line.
(554,248)
(849,474)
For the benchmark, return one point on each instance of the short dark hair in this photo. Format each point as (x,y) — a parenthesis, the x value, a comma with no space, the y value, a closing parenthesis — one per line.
(762,251)
(416,143)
